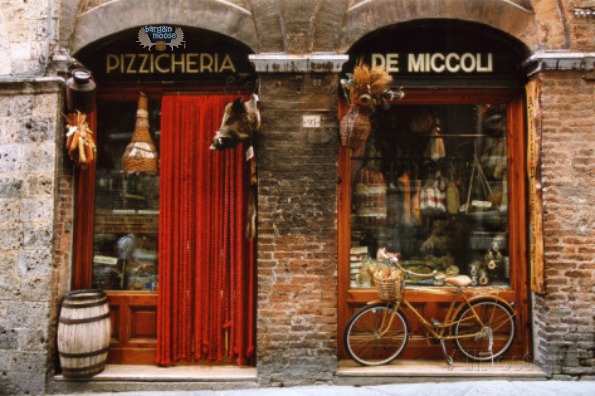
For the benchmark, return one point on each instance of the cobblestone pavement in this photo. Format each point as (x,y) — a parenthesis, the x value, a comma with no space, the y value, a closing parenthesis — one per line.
(462,388)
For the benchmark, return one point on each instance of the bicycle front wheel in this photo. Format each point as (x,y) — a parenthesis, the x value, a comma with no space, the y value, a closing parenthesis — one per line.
(491,341)
(376,335)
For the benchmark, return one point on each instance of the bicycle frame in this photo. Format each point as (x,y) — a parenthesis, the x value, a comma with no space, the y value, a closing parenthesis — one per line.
(437,330)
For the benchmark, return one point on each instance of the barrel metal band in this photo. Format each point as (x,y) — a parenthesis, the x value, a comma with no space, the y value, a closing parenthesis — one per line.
(84,294)
(84,354)
(89,370)
(84,320)
(87,305)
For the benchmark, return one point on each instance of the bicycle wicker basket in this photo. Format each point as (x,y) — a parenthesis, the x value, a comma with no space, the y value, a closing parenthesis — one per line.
(389,289)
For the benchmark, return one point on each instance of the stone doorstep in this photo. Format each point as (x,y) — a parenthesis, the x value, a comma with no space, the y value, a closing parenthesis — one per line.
(510,369)
(150,373)
(348,370)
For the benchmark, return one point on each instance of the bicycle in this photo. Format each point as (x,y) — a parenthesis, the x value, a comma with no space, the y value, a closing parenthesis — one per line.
(482,327)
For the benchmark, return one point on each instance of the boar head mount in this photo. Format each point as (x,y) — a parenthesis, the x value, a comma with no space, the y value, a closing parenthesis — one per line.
(241,120)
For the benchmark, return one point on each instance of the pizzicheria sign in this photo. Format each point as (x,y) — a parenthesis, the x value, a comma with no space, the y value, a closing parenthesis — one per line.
(161,52)
(169,63)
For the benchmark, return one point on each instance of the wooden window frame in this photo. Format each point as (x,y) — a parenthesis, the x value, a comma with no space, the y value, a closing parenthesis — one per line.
(350,299)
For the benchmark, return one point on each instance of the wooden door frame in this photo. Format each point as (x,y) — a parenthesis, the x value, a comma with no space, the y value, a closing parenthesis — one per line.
(349,299)
(125,305)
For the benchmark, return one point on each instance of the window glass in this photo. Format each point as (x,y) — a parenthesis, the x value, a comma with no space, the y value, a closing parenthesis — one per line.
(431,184)
(126,204)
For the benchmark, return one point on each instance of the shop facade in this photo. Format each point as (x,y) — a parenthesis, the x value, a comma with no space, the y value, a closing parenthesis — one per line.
(496,111)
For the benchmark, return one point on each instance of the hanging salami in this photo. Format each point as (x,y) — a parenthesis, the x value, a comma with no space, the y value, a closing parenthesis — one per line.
(370,196)
(405,184)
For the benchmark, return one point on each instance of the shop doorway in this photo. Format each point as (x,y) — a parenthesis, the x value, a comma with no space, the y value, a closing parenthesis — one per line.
(169,246)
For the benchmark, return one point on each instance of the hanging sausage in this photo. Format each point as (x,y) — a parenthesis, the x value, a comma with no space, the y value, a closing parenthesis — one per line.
(370,196)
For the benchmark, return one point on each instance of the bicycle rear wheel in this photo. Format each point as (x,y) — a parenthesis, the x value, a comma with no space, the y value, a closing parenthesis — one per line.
(491,342)
(374,336)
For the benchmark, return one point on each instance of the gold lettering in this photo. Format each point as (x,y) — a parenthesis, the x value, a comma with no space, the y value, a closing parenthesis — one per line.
(143,58)
(191,66)
(392,63)
(112,62)
(130,58)
(487,68)
(449,66)
(468,62)
(180,63)
(436,68)
(227,64)
(204,65)
(165,63)
(415,64)
(378,59)
(158,63)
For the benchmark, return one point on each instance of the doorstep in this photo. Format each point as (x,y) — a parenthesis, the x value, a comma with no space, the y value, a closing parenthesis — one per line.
(130,377)
(401,370)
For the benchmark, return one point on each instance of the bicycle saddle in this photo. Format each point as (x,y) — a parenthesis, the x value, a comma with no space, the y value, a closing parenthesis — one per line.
(458,281)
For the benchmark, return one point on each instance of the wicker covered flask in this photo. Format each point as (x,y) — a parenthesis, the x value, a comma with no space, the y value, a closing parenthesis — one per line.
(355,127)
(140,154)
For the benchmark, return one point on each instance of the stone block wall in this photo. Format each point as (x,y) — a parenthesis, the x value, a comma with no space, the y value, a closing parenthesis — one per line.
(29,115)
(563,316)
(28,31)
(297,231)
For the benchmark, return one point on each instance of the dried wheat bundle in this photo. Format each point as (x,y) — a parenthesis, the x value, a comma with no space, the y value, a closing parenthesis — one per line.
(380,80)
(368,84)
(361,81)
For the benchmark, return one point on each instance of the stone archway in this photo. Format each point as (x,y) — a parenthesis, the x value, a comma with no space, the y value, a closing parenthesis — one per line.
(88,26)
(366,16)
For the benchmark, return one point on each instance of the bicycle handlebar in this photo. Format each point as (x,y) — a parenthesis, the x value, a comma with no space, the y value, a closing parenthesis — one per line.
(409,272)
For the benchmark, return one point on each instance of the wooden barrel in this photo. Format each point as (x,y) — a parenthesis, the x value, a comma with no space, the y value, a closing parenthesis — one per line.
(84,331)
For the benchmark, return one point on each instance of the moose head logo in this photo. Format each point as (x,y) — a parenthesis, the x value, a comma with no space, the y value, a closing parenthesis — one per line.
(160,37)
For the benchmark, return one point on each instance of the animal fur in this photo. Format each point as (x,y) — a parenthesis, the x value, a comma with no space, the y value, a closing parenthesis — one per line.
(240,121)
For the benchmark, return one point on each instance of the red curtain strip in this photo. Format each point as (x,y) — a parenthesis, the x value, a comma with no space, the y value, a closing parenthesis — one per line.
(206,266)
(84,221)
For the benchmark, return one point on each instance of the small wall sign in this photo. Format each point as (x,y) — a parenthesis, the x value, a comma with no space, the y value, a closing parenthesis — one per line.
(311,121)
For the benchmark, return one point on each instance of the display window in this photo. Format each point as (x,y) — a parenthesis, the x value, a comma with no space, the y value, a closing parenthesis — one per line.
(438,181)
(126,216)
(439,177)
(432,184)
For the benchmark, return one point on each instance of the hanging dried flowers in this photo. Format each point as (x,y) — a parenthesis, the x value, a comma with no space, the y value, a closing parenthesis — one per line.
(79,139)
(366,88)
(369,86)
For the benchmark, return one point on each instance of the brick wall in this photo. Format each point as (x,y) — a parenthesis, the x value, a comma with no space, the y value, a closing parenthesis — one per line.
(297,228)
(564,314)
(28,122)
(581,28)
